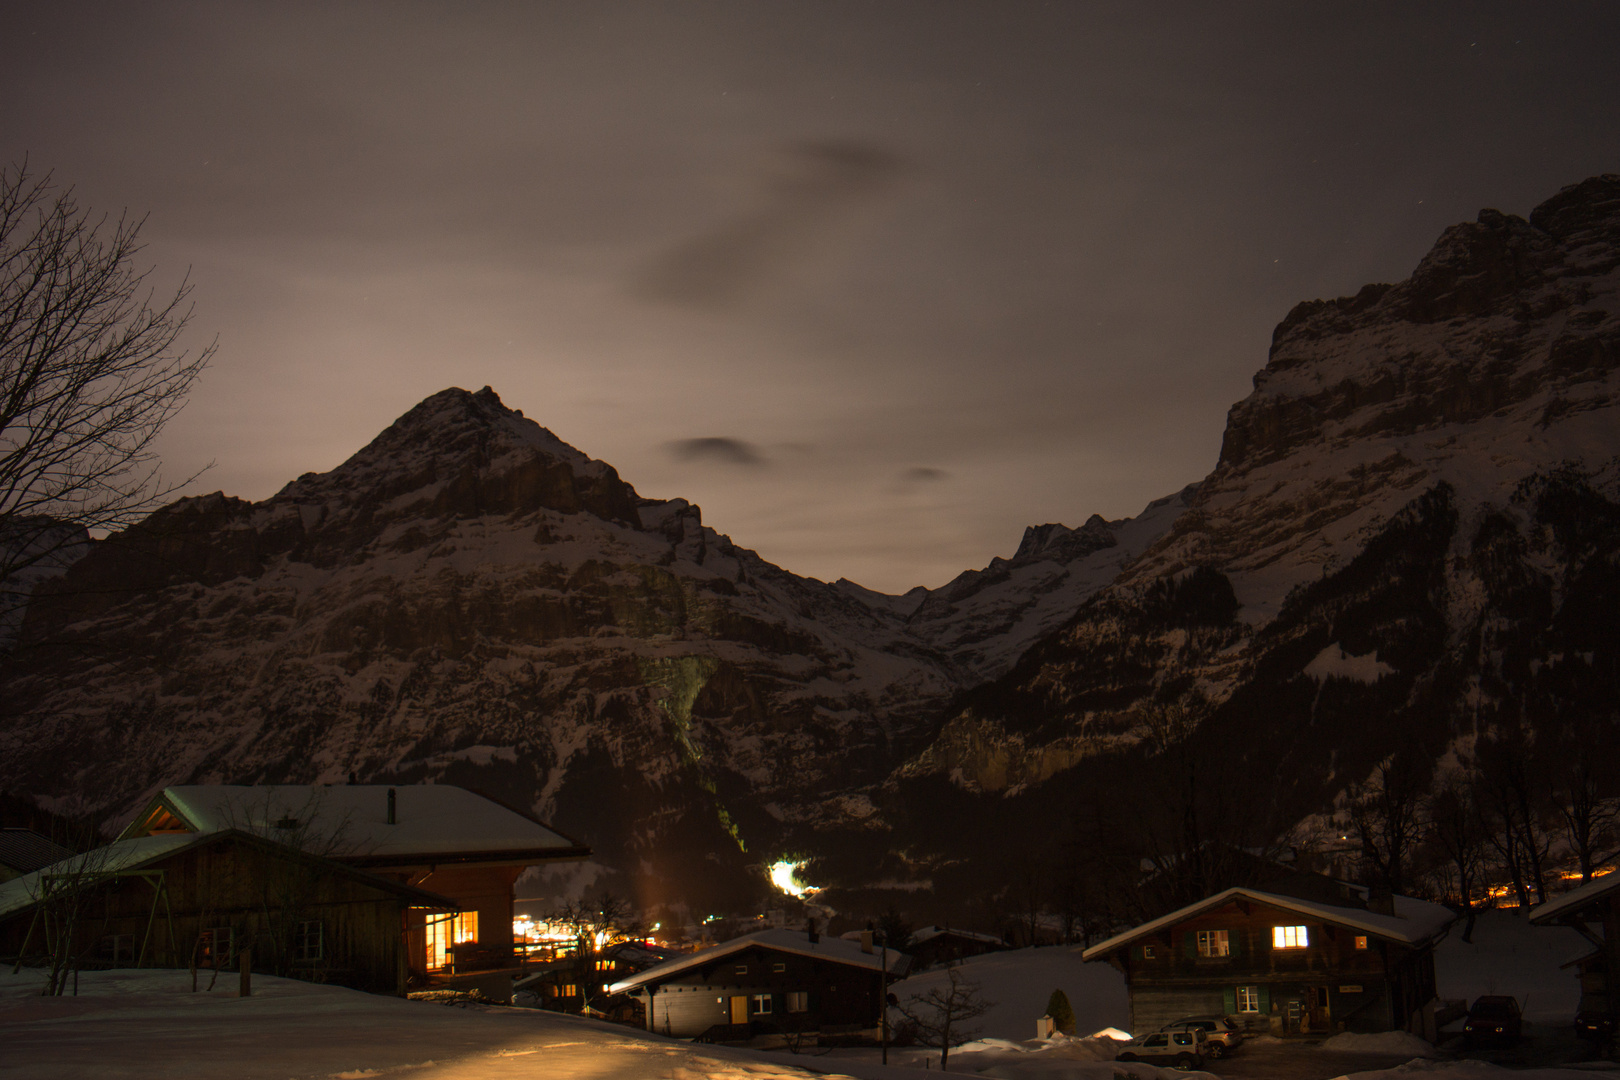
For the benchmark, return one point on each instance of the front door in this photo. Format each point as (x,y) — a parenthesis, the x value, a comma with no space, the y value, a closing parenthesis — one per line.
(1321,1016)
(739,1010)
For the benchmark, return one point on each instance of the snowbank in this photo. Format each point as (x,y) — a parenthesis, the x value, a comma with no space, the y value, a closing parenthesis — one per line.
(1383,1042)
(1021,981)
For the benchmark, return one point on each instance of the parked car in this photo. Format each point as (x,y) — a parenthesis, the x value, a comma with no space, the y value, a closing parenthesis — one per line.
(1495,1018)
(1592,1017)
(1223,1035)
(1178,1049)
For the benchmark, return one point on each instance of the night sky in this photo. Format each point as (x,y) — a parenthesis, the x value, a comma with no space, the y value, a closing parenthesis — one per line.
(876,284)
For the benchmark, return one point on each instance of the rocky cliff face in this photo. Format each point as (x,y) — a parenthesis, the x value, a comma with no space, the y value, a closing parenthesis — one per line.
(1409,537)
(468,599)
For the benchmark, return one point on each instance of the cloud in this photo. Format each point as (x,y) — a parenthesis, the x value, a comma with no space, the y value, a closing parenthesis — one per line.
(716,448)
(812,191)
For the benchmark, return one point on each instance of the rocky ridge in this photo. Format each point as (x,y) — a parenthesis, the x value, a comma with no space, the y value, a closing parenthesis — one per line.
(1413,523)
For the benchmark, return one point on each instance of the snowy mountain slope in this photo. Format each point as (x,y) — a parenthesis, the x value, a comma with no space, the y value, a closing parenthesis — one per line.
(985,619)
(468,599)
(1410,537)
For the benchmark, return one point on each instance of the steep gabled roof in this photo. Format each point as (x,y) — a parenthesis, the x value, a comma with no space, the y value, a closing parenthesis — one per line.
(437,823)
(139,853)
(1414,921)
(798,942)
(1576,899)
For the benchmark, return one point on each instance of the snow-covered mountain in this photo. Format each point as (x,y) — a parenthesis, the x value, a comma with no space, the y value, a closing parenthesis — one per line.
(469,599)
(1412,536)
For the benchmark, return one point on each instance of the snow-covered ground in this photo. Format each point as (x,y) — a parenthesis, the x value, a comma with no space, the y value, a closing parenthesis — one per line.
(1021,981)
(1509,956)
(147,1024)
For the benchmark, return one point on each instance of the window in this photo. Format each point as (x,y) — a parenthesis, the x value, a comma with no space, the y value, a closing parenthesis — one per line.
(1147,952)
(1361,941)
(118,948)
(570,990)
(447,931)
(778,968)
(309,943)
(762,1004)
(742,969)
(1288,937)
(798,1001)
(604,965)
(217,946)
(1248,999)
(1214,943)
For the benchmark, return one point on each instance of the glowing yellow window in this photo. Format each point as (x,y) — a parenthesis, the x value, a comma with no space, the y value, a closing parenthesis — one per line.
(1289,937)
(1361,941)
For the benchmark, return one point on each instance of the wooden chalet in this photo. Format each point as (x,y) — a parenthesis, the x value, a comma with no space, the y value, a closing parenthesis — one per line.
(1303,955)
(447,840)
(766,982)
(200,899)
(579,983)
(1592,910)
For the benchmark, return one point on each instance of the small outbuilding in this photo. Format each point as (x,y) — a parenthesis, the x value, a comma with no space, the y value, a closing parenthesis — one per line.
(1328,959)
(765,982)
(945,945)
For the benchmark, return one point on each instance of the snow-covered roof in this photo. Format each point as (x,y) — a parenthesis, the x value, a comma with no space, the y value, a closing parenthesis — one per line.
(1414,921)
(928,933)
(124,856)
(439,822)
(1576,898)
(798,942)
(24,850)
(120,855)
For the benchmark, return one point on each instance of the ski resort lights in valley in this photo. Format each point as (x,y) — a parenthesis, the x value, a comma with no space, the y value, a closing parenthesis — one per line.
(785,876)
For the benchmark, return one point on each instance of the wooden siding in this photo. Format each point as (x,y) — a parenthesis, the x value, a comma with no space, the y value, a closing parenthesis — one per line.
(1329,984)
(261,895)
(690,1002)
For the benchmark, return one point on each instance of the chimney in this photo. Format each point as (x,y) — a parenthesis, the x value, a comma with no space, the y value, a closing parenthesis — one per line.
(391,806)
(866,942)
(353,780)
(810,930)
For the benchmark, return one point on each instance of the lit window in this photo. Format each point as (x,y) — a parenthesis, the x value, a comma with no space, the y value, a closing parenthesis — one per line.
(1288,937)
(1147,952)
(1248,999)
(798,1001)
(1214,943)
(570,990)
(742,969)
(762,1004)
(1361,941)
(466,927)
(778,968)
(217,946)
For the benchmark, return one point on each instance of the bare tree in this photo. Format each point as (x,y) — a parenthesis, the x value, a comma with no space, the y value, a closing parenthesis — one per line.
(90,373)
(942,1015)
(1386,813)
(1457,828)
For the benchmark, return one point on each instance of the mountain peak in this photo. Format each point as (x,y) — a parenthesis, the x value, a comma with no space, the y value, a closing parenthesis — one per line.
(465,453)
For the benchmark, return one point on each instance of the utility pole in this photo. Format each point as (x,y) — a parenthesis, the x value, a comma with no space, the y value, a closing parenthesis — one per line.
(883,991)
